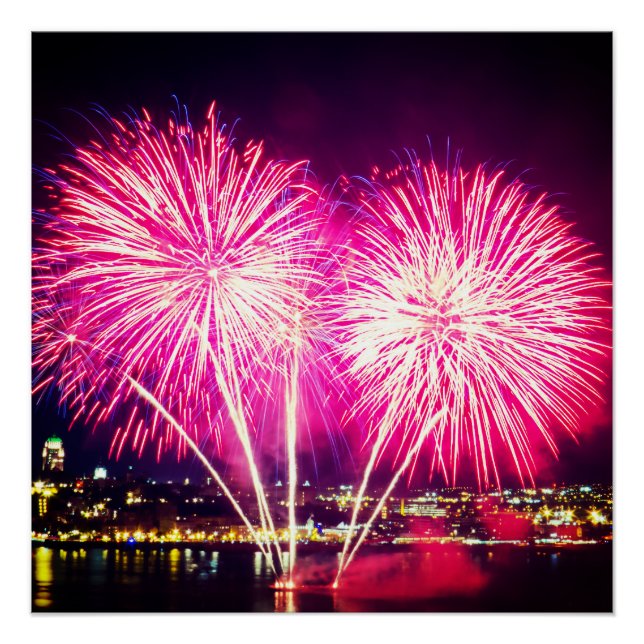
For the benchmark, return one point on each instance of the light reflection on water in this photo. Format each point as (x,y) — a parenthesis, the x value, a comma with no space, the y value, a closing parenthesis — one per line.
(126,568)
(43,577)
(174,561)
(257,564)
(96,566)
(284,602)
(138,562)
(94,578)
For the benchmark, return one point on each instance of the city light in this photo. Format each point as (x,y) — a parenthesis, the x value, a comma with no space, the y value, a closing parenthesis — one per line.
(146,513)
(597,517)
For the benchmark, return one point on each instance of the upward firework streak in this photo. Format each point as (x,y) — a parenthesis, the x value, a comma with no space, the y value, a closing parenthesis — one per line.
(185,253)
(468,296)
(155,403)
(302,350)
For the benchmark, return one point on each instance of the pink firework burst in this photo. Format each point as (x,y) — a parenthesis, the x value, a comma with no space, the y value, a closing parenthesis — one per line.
(185,249)
(63,348)
(470,295)
(307,344)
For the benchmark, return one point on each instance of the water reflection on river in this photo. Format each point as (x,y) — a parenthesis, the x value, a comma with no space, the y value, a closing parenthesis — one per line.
(96,578)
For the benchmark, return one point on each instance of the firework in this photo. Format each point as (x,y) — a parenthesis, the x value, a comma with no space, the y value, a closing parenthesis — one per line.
(469,295)
(62,345)
(181,285)
(303,367)
(155,403)
(185,249)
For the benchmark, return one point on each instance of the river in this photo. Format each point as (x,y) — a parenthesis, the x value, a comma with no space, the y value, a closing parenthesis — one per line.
(442,578)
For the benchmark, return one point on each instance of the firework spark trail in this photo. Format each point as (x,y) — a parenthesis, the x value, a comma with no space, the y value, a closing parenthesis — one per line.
(386,426)
(469,296)
(291,438)
(236,412)
(303,348)
(375,451)
(146,395)
(61,357)
(411,454)
(297,336)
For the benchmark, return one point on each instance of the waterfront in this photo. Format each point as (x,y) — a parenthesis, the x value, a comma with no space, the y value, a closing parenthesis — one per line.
(447,578)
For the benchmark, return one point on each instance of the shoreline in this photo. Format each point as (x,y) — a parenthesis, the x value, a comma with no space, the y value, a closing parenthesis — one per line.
(303,548)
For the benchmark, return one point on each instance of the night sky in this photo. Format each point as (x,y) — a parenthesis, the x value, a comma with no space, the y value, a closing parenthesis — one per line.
(347,101)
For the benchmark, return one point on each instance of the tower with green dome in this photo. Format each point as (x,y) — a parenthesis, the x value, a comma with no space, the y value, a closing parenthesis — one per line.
(53,455)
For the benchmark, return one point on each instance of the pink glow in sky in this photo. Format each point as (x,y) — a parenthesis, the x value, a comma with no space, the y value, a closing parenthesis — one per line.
(186,261)
(469,293)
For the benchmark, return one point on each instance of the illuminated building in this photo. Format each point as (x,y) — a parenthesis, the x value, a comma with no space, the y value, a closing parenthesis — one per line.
(43,492)
(53,455)
(421,507)
(100,473)
(424,509)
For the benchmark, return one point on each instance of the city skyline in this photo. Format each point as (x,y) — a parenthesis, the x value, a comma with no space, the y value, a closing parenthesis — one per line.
(133,509)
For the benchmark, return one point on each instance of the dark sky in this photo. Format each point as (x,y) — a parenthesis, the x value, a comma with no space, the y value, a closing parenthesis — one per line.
(346,101)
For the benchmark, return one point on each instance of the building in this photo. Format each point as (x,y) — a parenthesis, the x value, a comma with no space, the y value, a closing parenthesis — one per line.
(421,507)
(53,455)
